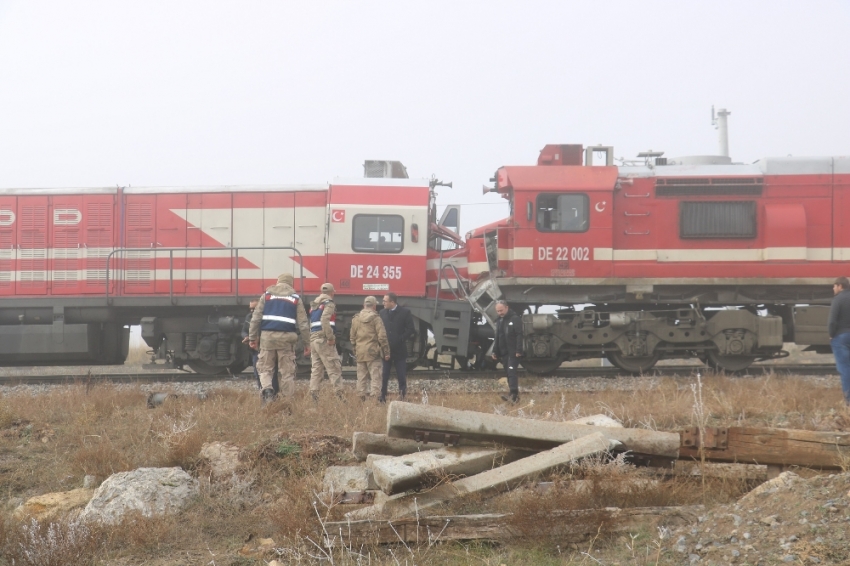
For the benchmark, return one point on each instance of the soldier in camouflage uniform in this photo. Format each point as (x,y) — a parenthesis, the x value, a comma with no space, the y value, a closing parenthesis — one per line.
(280,317)
(369,338)
(323,342)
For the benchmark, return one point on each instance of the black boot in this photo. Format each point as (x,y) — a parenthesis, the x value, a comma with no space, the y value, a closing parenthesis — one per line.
(315,396)
(267,395)
(513,398)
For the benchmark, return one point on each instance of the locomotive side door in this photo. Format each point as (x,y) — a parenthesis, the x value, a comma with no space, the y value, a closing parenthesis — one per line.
(66,243)
(260,219)
(217,229)
(309,239)
(8,244)
(137,266)
(32,223)
(98,240)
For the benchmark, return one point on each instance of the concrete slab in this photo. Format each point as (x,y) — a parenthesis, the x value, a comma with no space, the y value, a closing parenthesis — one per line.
(503,477)
(597,420)
(365,443)
(400,473)
(405,420)
(342,479)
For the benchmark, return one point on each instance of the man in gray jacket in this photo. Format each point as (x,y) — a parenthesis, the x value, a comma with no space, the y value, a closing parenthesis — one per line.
(280,317)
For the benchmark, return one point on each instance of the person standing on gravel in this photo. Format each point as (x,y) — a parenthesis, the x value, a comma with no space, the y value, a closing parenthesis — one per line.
(839,332)
(398,322)
(369,338)
(508,347)
(323,342)
(280,317)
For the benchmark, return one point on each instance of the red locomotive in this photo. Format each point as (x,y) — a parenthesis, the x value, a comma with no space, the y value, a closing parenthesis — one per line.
(663,258)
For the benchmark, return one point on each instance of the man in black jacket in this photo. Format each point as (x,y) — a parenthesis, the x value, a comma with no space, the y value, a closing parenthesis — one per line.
(398,323)
(839,332)
(508,346)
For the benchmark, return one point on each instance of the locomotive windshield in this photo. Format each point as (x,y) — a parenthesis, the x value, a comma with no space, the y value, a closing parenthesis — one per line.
(562,213)
(378,233)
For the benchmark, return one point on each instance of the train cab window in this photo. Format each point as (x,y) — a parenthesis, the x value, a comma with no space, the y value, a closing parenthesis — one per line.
(717,219)
(562,213)
(378,233)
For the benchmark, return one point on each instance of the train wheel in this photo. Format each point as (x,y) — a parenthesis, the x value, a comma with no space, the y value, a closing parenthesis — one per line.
(541,366)
(730,364)
(633,364)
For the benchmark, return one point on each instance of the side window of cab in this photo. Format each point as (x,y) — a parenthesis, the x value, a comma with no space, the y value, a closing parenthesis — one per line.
(565,212)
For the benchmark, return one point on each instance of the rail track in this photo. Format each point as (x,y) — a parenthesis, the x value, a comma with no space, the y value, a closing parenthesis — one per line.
(19,376)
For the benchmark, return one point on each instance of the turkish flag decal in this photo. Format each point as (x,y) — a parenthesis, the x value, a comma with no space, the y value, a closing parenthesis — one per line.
(337,216)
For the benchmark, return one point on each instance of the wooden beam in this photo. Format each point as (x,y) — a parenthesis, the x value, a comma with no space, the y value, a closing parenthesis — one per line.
(775,447)
(568,526)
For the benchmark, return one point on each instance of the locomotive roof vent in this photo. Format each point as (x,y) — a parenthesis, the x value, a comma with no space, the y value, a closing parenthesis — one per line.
(384,169)
(700,160)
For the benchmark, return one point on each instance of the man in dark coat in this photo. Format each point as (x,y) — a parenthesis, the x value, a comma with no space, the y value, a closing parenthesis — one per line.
(839,332)
(508,346)
(398,323)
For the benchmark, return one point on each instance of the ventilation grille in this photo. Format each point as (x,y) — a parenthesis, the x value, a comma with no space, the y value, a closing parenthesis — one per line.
(706,186)
(717,220)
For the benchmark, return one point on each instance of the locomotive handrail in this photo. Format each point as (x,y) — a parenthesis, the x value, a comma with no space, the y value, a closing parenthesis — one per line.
(440,277)
(171,263)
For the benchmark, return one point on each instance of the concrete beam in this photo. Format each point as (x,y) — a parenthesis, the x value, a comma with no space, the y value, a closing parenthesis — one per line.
(365,443)
(503,477)
(401,473)
(405,419)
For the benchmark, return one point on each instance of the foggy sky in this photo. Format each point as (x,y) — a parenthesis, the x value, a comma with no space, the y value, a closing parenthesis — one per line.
(202,93)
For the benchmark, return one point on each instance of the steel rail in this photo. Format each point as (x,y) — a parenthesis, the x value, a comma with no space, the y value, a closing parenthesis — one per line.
(82,375)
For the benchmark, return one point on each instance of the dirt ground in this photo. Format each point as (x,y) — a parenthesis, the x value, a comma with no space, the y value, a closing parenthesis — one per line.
(52,437)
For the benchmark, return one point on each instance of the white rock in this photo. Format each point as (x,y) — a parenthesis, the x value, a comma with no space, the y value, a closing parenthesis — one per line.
(223,458)
(150,491)
(51,505)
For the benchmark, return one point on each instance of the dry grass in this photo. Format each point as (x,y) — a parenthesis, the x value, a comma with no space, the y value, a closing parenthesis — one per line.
(48,443)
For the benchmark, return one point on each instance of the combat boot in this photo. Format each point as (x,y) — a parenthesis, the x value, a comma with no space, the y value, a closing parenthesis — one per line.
(267,395)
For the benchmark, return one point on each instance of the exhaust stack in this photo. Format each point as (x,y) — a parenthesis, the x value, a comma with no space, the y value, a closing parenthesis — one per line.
(720,123)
